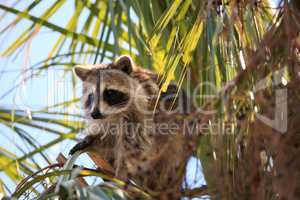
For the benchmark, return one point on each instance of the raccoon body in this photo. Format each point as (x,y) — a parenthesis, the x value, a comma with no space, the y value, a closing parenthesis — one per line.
(128,120)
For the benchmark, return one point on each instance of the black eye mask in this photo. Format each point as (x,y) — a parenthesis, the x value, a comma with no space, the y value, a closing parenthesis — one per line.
(115,97)
(89,100)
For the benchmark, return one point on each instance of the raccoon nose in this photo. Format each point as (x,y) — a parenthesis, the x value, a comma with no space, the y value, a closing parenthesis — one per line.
(96,114)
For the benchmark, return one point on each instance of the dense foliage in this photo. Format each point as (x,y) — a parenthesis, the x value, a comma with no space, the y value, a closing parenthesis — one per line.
(241,55)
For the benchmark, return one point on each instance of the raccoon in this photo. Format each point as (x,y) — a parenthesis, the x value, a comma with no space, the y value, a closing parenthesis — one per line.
(128,124)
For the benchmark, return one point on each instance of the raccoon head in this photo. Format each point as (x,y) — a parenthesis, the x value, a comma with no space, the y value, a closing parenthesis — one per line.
(115,91)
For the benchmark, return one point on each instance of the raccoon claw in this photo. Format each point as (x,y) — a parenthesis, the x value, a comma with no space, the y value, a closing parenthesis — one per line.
(85,143)
(74,149)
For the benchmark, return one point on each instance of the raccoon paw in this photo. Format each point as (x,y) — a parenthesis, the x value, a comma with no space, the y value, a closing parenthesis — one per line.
(81,146)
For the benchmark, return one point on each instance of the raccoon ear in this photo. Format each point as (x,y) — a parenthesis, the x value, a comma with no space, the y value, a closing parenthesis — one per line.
(82,72)
(125,64)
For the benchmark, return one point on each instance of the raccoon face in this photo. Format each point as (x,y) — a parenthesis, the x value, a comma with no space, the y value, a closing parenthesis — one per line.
(109,91)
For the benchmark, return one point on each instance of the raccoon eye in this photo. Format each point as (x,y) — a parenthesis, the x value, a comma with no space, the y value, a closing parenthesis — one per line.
(89,100)
(114,97)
